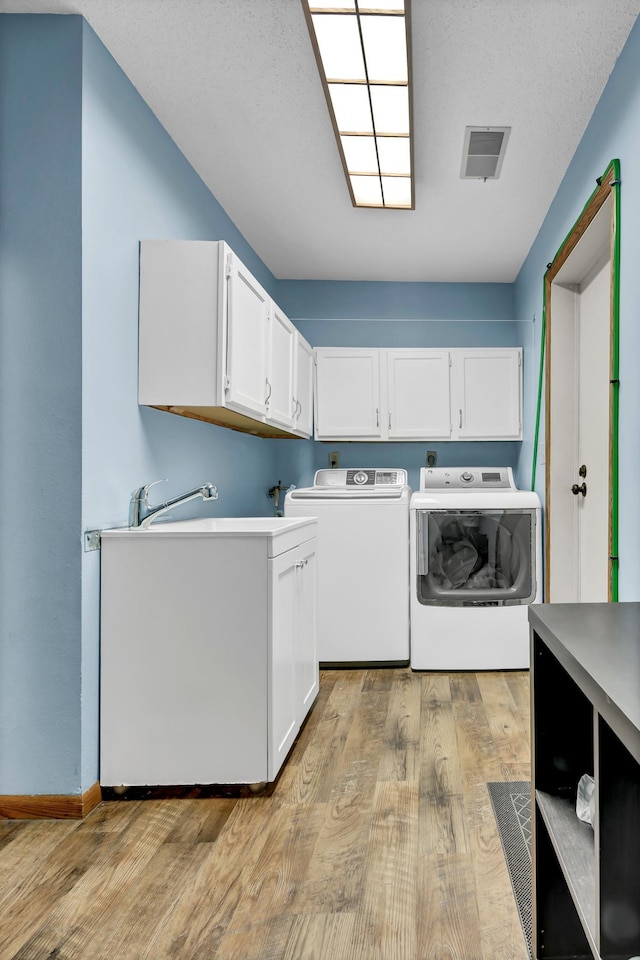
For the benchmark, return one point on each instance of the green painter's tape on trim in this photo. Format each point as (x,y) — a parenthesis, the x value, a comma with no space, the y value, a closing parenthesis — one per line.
(615,377)
(536,437)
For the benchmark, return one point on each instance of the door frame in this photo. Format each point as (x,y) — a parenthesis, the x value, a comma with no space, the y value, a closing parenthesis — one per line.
(608,187)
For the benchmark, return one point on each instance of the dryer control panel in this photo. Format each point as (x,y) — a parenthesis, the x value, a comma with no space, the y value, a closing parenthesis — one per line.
(360,477)
(466,478)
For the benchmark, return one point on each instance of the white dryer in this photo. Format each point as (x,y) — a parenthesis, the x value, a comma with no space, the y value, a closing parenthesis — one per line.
(363,563)
(476,564)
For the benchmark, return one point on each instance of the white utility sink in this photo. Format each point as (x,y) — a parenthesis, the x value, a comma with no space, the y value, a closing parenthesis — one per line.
(279,533)
(235,525)
(209,659)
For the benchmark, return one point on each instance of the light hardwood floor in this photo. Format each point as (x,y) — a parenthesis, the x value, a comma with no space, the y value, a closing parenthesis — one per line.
(378,842)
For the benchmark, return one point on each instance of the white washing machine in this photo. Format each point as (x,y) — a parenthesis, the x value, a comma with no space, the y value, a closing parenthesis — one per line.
(363,563)
(476,565)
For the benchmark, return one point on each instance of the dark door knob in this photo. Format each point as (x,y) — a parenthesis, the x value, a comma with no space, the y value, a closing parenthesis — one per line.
(575,489)
(582,472)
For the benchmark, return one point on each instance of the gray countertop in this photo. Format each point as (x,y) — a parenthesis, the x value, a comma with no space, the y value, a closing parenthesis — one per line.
(599,646)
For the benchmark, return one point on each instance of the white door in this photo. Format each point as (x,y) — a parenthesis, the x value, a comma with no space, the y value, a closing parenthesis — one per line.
(418,395)
(578,418)
(593,437)
(486,396)
(303,387)
(246,387)
(282,342)
(347,393)
(579,461)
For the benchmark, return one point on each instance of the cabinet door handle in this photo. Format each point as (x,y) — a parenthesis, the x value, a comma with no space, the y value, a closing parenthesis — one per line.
(268,396)
(377,417)
(298,409)
(389,419)
(460,423)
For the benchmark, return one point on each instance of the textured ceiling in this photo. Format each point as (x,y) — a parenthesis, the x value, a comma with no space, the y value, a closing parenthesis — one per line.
(235,84)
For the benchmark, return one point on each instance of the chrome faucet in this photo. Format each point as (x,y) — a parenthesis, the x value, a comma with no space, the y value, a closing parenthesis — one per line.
(141,514)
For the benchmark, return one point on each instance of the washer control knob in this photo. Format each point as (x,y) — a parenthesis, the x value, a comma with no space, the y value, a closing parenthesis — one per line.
(466,476)
(360,477)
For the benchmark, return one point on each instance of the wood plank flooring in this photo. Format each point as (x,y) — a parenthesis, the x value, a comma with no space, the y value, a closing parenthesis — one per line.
(378,842)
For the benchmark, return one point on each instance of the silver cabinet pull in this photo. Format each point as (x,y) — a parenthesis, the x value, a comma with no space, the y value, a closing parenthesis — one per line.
(389,419)
(460,424)
(268,396)
(377,417)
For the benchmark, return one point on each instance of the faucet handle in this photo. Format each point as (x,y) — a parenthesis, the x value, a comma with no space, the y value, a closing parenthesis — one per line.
(142,494)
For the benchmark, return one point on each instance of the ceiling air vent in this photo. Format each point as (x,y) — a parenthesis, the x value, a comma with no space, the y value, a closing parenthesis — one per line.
(483,153)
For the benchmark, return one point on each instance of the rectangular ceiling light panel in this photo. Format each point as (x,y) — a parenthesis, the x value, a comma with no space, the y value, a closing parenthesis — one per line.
(363,51)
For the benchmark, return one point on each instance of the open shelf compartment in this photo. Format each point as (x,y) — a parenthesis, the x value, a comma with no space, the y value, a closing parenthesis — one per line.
(585,685)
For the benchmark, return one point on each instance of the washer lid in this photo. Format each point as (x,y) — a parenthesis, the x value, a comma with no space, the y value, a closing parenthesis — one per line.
(359,483)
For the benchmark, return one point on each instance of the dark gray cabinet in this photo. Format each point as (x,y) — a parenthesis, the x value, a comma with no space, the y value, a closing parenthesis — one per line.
(585,685)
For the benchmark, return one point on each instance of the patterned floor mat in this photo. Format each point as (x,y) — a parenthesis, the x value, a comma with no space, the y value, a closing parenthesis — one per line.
(512,808)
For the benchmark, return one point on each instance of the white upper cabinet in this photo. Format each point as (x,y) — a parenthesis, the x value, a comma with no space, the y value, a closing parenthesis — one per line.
(212,344)
(347,394)
(246,384)
(415,394)
(281,407)
(418,403)
(303,392)
(487,393)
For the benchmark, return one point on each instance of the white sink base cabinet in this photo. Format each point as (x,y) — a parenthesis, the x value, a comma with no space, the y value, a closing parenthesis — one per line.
(209,661)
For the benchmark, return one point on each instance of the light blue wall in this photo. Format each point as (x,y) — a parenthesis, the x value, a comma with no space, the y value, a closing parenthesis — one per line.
(614,132)
(40,403)
(382,300)
(136,184)
(85,172)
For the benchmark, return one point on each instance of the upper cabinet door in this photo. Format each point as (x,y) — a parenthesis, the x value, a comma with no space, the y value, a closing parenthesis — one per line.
(487,396)
(281,406)
(303,393)
(418,400)
(347,393)
(246,387)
